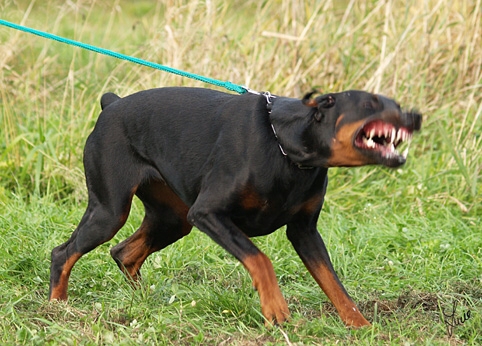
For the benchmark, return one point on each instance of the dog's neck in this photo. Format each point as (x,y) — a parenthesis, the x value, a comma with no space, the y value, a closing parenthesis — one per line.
(269,106)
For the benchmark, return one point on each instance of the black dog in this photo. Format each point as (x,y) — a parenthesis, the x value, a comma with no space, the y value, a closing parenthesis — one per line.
(233,166)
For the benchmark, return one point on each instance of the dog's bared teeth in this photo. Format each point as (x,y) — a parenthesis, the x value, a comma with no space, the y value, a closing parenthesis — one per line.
(392,136)
(405,153)
(399,135)
(369,142)
(406,135)
(371,134)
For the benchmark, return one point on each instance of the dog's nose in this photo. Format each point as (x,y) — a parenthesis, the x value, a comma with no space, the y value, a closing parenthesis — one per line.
(413,120)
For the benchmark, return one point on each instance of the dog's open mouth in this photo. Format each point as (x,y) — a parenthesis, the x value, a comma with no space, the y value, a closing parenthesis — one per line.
(383,140)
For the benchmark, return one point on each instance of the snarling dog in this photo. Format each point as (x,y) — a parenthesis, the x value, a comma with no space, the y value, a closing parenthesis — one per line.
(234,166)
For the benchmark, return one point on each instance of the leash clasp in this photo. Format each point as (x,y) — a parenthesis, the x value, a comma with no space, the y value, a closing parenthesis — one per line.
(267,95)
(269,102)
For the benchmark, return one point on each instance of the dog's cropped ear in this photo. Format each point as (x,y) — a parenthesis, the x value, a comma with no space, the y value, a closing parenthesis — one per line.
(308,101)
(321,103)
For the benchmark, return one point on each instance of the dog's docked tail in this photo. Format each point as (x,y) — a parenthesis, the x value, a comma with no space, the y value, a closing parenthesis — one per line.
(107,99)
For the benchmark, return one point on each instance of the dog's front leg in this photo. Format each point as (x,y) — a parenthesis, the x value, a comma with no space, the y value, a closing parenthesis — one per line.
(310,247)
(224,232)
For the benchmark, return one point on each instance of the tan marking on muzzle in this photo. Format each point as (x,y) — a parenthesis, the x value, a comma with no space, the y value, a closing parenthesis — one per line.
(343,153)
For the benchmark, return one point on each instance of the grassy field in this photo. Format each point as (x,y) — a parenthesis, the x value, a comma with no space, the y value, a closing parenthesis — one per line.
(407,243)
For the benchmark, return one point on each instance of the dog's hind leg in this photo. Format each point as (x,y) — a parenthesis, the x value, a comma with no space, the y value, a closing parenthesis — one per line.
(98,225)
(163,224)
(112,179)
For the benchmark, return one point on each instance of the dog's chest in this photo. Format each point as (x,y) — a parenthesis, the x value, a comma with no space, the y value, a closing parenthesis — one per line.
(257,214)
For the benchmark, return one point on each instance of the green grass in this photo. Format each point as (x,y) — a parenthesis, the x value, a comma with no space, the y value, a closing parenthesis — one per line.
(406,243)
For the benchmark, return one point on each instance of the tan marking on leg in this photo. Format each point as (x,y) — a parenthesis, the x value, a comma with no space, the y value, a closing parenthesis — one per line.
(346,308)
(59,291)
(273,305)
(134,253)
(166,196)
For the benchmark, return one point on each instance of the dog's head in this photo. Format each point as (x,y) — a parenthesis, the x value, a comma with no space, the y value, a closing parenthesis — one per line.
(363,128)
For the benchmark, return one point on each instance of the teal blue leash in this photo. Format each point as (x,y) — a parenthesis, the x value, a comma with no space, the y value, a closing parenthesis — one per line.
(225,84)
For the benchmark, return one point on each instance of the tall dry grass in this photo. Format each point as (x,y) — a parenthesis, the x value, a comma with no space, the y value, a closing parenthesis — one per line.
(425,54)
